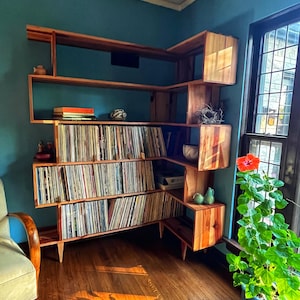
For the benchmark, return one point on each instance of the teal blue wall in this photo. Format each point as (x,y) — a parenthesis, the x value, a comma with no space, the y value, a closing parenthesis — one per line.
(129,20)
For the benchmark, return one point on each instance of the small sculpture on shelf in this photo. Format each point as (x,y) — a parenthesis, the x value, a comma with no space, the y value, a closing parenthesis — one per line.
(208,198)
(39,70)
(198,198)
(44,152)
(209,115)
(118,114)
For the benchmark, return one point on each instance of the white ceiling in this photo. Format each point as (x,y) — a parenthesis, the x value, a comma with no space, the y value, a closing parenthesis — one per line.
(173,4)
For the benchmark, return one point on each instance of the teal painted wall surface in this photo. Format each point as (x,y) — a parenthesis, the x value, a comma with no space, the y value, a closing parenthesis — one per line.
(128,20)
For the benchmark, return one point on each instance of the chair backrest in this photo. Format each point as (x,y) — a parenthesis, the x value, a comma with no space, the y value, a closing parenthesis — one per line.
(4,225)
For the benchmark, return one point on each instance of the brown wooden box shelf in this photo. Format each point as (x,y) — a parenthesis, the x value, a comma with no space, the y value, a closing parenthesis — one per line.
(204,231)
(218,68)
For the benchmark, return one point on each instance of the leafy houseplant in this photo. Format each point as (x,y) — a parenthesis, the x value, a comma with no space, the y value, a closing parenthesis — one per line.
(268,266)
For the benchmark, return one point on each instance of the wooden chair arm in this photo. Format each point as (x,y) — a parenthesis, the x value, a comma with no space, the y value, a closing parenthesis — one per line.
(33,239)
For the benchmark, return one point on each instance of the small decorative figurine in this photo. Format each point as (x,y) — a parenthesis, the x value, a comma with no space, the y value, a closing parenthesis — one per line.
(39,70)
(209,115)
(209,197)
(198,198)
(44,152)
(118,114)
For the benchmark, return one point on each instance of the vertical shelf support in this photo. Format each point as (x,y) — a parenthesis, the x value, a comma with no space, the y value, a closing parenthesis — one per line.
(53,53)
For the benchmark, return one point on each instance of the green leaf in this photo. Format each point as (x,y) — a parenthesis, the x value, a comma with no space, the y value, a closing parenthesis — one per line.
(256,178)
(267,277)
(272,255)
(277,195)
(294,261)
(280,204)
(231,258)
(278,220)
(258,196)
(278,183)
(243,199)
(242,209)
(241,181)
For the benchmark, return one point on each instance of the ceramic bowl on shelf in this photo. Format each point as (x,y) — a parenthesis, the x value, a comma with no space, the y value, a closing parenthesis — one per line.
(190,152)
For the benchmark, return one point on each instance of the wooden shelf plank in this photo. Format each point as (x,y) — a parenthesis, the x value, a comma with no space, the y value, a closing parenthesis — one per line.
(94,83)
(43,34)
(180,229)
(95,199)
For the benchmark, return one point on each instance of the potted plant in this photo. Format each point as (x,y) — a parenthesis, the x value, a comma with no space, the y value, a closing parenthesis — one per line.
(268,266)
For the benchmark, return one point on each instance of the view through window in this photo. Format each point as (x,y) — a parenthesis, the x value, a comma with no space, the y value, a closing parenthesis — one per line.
(272,128)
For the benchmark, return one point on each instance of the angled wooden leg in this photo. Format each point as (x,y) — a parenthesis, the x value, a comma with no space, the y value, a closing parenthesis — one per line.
(60,249)
(161,229)
(183,250)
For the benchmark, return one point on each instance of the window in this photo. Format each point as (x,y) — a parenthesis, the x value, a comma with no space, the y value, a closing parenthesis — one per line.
(272,127)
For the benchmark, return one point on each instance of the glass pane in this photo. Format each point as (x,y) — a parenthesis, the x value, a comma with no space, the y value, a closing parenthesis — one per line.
(269,154)
(293,34)
(278,60)
(266,63)
(286,102)
(275,154)
(288,80)
(260,123)
(269,41)
(263,167)
(290,57)
(254,147)
(276,80)
(274,171)
(264,151)
(264,84)
(280,37)
(283,124)
(263,102)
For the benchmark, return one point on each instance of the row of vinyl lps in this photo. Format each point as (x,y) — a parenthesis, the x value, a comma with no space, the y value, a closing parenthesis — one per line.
(78,143)
(92,217)
(75,182)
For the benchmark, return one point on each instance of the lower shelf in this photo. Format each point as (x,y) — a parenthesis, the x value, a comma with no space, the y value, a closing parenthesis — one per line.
(204,231)
(49,236)
(181,228)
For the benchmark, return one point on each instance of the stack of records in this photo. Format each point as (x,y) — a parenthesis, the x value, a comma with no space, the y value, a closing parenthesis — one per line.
(73,113)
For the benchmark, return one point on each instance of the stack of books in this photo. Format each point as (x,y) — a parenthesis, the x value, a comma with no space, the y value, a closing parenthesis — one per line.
(73,113)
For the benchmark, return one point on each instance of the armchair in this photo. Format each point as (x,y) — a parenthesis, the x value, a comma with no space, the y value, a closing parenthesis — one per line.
(18,273)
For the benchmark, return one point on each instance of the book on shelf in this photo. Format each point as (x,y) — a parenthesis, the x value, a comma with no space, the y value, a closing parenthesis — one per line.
(169,179)
(73,117)
(74,110)
(74,113)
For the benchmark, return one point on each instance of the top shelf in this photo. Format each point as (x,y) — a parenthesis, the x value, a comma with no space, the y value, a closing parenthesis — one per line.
(219,51)
(67,38)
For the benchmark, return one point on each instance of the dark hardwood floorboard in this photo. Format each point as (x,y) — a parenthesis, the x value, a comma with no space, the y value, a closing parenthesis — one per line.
(133,265)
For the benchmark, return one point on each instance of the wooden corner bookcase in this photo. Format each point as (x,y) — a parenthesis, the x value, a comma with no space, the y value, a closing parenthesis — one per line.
(106,192)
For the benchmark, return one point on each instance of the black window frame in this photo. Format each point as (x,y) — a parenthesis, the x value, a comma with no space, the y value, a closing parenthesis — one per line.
(290,144)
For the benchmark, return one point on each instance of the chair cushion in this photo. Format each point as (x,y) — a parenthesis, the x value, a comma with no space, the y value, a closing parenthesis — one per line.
(17,274)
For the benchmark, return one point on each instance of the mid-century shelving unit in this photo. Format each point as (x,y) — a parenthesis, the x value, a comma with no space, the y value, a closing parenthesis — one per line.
(205,228)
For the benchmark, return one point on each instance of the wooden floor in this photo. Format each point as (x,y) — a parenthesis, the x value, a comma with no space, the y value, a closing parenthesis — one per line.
(135,265)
